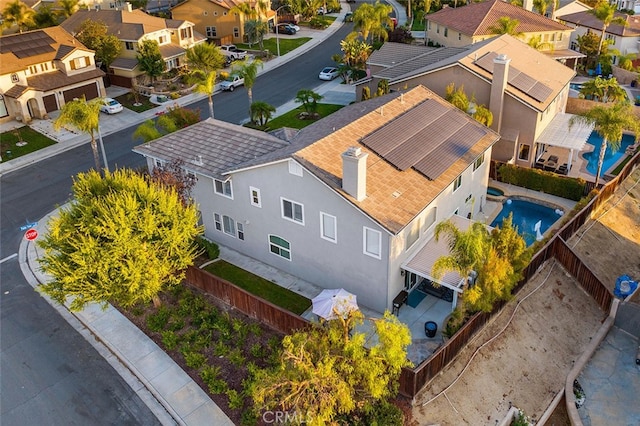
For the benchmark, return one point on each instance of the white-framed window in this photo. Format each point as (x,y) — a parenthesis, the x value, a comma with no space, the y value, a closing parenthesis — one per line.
(159,163)
(328,227)
(228,225)
(79,63)
(413,234)
(371,242)
(217,221)
(205,13)
(211,32)
(240,231)
(280,247)
(295,168)
(236,31)
(223,188)
(162,39)
(523,152)
(254,194)
(129,45)
(292,211)
(457,183)
(478,162)
(215,13)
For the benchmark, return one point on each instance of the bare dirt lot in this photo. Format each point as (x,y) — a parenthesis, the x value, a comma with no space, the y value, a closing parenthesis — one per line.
(554,320)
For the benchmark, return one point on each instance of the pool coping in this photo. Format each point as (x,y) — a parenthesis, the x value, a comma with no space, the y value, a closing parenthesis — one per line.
(605,173)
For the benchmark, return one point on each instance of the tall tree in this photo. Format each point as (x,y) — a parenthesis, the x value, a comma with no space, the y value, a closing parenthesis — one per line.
(537,43)
(205,57)
(66,8)
(19,14)
(610,122)
(96,37)
(606,13)
(121,240)
(45,17)
(261,112)
(150,59)
(84,116)
(324,372)
(173,175)
(506,25)
(248,69)
(372,20)
(205,84)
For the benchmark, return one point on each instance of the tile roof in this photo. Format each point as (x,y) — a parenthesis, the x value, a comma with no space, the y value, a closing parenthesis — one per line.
(394,197)
(426,58)
(16,91)
(171,50)
(124,63)
(18,51)
(397,53)
(587,20)
(476,19)
(58,79)
(125,25)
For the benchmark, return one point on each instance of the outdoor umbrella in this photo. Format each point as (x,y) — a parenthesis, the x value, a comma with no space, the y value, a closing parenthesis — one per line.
(329,301)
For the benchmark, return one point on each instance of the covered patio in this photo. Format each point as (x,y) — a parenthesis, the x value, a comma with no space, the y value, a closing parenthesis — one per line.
(558,146)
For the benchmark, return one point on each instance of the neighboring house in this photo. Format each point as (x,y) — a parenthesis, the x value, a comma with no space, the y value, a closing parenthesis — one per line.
(134,26)
(350,200)
(462,26)
(632,5)
(525,89)
(572,7)
(41,70)
(625,39)
(215,19)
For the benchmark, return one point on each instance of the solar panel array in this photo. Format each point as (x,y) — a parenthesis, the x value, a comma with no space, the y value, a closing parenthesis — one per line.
(429,138)
(518,79)
(28,44)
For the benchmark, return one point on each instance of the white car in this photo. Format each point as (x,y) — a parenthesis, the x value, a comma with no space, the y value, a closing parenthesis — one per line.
(328,73)
(294,26)
(231,83)
(111,106)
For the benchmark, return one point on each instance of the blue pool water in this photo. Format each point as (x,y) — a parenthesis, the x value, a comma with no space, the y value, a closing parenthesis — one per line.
(610,158)
(575,86)
(496,192)
(525,216)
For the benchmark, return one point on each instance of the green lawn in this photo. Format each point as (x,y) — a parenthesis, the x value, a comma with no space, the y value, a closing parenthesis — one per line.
(286,45)
(35,141)
(258,286)
(127,101)
(290,119)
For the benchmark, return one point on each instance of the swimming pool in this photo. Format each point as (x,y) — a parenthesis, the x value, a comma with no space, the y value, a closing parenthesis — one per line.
(610,158)
(526,215)
(575,86)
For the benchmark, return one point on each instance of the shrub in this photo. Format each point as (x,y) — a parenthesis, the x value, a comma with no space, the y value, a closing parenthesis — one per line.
(176,324)
(236,358)
(157,321)
(379,413)
(218,386)
(255,329)
(256,350)
(170,340)
(174,95)
(209,374)
(209,247)
(220,348)
(539,180)
(236,400)
(194,359)
(318,22)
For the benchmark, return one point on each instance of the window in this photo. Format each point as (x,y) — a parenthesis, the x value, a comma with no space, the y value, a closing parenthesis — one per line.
(215,13)
(15,78)
(3,107)
(523,152)
(79,63)
(218,222)
(229,225)
(446,31)
(437,29)
(478,162)
(430,218)
(295,168)
(236,31)
(328,229)
(223,188)
(280,247)
(129,45)
(255,196)
(211,32)
(292,211)
(459,36)
(185,33)
(457,183)
(371,242)
(413,234)
(428,25)
(44,67)
(162,39)
(240,231)
(33,69)
(205,13)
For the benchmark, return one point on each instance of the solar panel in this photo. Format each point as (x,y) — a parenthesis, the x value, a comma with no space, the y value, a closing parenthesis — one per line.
(28,44)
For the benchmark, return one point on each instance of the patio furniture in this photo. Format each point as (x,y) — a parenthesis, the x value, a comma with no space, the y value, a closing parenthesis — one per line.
(539,164)
(551,163)
(441,292)
(399,300)
(563,169)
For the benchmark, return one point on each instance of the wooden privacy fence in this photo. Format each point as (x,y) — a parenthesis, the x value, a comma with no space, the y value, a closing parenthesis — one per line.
(255,307)
(413,380)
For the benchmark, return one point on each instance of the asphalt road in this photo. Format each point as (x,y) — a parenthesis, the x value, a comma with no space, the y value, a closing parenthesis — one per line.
(50,375)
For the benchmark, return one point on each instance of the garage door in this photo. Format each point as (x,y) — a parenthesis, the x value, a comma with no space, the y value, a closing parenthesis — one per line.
(89,91)
(50,103)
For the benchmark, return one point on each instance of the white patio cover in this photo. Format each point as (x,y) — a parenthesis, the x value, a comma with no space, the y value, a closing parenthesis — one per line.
(558,134)
(333,302)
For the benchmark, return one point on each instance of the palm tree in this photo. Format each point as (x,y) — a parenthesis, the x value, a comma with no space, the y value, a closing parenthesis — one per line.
(309,100)
(84,116)
(261,112)
(18,13)
(625,61)
(537,43)
(248,69)
(610,122)
(66,8)
(205,84)
(542,5)
(506,25)
(372,20)
(205,57)
(605,12)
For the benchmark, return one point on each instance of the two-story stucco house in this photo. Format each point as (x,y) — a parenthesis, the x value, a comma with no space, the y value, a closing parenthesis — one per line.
(216,20)
(41,70)
(134,26)
(346,202)
(525,90)
(462,26)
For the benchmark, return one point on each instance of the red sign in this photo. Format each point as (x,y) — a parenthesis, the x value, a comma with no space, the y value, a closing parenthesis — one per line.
(31,235)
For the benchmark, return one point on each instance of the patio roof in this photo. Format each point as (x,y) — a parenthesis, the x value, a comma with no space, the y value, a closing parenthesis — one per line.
(558,134)
(421,263)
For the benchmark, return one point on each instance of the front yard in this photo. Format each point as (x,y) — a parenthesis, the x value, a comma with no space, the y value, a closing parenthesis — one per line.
(22,141)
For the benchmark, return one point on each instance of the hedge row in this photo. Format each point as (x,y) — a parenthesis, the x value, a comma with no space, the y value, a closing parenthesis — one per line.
(540,180)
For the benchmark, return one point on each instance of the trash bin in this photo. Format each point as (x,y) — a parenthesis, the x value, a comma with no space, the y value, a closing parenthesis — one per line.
(430,328)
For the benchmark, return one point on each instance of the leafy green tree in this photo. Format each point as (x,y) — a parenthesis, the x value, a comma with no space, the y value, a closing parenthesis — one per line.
(541,6)
(147,131)
(205,84)
(248,69)
(605,13)
(122,240)
(603,90)
(255,30)
(457,97)
(589,45)
(95,36)
(44,17)
(309,100)
(205,57)
(537,43)
(383,88)
(372,20)
(174,119)
(323,372)
(625,61)
(84,116)
(150,59)
(355,52)
(66,8)
(19,14)
(173,175)
(483,115)
(261,112)
(610,122)
(366,93)
(506,25)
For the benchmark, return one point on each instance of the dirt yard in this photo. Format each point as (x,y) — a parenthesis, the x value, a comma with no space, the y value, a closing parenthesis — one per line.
(526,365)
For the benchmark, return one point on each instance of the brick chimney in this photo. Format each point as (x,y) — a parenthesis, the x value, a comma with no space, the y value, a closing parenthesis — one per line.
(498,86)
(354,172)
(128,7)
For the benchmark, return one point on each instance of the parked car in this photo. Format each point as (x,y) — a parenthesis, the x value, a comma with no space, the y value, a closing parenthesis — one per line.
(232,82)
(285,29)
(348,17)
(328,73)
(294,26)
(320,10)
(110,106)
(232,51)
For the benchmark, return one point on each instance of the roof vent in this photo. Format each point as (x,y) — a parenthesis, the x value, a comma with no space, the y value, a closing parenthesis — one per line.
(198,161)
(353,151)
